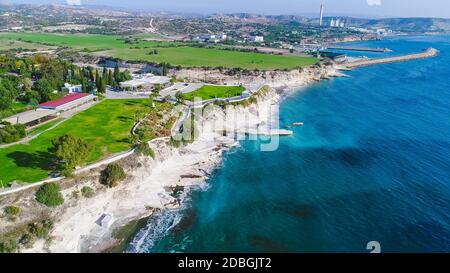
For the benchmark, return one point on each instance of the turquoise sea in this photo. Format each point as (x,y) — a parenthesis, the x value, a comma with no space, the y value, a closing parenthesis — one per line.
(371,163)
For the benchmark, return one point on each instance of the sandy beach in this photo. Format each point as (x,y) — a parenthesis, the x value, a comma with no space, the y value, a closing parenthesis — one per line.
(147,187)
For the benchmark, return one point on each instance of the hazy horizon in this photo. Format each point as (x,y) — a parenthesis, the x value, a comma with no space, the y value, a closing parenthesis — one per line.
(362,8)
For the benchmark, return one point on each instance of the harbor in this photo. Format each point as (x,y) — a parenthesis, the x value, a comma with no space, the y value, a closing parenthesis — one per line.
(354,48)
(429,53)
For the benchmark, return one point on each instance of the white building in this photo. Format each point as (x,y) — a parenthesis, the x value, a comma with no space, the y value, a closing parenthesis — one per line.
(212,38)
(333,23)
(72,88)
(257,39)
(105,220)
(145,82)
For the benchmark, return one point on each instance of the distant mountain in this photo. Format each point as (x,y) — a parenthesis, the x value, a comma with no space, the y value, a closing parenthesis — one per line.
(417,25)
(406,24)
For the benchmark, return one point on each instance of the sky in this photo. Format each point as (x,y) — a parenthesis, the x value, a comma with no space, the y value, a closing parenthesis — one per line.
(366,8)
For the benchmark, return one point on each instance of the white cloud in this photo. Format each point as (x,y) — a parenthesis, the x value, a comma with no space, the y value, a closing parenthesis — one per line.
(73,2)
(374,2)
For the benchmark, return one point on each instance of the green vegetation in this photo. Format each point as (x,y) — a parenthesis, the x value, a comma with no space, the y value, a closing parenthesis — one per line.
(11,133)
(6,45)
(71,151)
(106,126)
(211,91)
(14,108)
(12,210)
(42,128)
(87,192)
(26,235)
(127,233)
(173,53)
(144,149)
(50,195)
(112,175)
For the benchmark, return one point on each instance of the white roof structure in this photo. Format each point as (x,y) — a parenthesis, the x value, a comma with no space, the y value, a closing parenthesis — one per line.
(146,80)
(29,116)
(105,220)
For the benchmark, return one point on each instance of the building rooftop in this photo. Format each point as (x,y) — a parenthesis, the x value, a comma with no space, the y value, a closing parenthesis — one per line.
(29,116)
(146,80)
(67,99)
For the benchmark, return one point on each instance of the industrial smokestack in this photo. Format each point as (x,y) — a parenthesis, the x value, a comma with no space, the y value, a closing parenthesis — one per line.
(321,15)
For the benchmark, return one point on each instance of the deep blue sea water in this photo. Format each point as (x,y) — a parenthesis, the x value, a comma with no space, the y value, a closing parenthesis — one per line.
(372,163)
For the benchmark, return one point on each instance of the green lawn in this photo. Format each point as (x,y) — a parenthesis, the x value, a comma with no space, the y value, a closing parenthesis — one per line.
(175,53)
(41,128)
(211,91)
(106,125)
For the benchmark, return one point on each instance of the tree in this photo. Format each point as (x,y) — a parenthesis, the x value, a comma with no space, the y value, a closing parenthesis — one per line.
(71,151)
(110,78)
(104,73)
(164,69)
(50,195)
(173,80)
(8,93)
(157,89)
(97,81)
(112,175)
(179,96)
(103,86)
(117,74)
(12,133)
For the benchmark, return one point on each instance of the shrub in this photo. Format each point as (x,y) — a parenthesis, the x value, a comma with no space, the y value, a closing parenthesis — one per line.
(87,192)
(144,149)
(8,246)
(49,195)
(112,175)
(75,194)
(42,229)
(11,133)
(12,210)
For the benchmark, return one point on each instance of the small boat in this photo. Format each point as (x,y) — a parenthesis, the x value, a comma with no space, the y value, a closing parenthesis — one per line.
(298,124)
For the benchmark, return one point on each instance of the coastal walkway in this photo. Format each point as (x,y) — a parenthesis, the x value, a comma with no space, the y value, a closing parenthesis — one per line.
(429,53)
(106,161)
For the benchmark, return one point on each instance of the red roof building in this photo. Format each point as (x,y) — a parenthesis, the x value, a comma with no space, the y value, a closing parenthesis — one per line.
(67,102)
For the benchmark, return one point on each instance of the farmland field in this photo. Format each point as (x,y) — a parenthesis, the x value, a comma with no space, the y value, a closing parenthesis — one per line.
(175,53)
(106,126)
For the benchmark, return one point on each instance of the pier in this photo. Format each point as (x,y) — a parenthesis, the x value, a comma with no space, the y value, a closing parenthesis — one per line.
(353,48)
(429,53)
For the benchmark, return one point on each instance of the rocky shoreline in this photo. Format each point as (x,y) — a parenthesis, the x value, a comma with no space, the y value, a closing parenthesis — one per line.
(150,183)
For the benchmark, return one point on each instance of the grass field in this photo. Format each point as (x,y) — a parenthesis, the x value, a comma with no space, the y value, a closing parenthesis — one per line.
(8,44)
(106,126)
(41,128)
(211,91)
(175,53)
